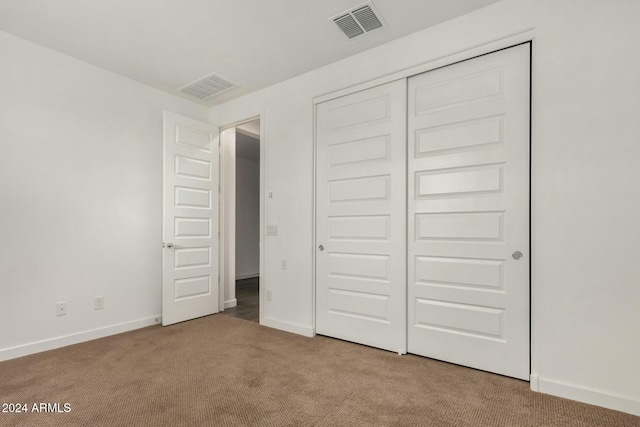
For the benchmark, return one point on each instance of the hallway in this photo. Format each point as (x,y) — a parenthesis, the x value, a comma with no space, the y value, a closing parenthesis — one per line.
(248,296)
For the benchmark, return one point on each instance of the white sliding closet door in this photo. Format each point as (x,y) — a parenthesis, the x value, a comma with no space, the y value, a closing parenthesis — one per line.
(361,217)
(468,219)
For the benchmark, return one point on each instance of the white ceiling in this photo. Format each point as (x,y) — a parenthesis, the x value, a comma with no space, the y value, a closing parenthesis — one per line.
(254,43)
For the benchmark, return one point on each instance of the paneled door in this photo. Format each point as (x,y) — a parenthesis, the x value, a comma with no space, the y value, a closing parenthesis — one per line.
(468,213)
(190,222)
(361,217)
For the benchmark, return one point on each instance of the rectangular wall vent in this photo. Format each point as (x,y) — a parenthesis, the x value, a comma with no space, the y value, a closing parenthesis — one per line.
(208,86)
(358,20)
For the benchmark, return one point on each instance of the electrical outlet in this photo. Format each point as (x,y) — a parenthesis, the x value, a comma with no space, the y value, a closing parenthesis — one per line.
(269,296)
(283,263)
(98,303)
(61,309)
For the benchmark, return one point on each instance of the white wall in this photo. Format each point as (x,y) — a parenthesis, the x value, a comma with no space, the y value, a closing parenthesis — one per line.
(586,275)
(80,198)
(247,218)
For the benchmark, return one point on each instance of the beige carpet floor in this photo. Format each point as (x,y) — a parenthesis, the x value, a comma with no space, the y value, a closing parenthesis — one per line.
(223,371)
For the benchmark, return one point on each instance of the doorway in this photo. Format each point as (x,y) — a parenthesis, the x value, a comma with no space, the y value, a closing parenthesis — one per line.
(242,220)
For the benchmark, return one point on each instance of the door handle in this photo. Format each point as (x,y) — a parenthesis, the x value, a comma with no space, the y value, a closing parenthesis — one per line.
(517,255)
(321,247)
(172,246)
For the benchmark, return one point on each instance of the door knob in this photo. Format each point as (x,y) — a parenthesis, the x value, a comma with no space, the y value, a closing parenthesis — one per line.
(517,255)
(321,247)
(169,245)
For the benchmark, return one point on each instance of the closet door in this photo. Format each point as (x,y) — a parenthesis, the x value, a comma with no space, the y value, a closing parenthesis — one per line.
(468,218)
(361,217)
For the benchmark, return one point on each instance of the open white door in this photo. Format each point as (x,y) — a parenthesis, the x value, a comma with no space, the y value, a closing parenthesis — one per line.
(361,217)
(468,250)
(190,222)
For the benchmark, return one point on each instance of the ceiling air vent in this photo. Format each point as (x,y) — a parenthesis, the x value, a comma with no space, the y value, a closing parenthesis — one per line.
(359,20)
(207,86)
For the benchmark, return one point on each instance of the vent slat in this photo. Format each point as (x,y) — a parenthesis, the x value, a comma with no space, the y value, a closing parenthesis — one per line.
(217,83)
(210,87)
(194,93)
(197,90)
(367,19)
(207,86)
(359,20)
(348,26)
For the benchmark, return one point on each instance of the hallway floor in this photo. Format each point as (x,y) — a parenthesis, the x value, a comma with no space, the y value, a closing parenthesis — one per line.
(248,296)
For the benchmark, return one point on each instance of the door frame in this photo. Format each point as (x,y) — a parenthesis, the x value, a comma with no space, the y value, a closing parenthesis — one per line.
(524,37)
(227,201)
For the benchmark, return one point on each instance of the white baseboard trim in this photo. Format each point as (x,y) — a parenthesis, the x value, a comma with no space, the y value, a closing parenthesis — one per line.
(78,337)
(534,382)
(247,276)
(231,303)
(307,331)
(588,395)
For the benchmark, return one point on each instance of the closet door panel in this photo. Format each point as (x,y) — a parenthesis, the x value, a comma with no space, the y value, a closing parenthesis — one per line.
(468,213)
(361,217)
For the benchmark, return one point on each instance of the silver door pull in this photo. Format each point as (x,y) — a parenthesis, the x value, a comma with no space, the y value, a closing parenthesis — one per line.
(517,255)
(321,248)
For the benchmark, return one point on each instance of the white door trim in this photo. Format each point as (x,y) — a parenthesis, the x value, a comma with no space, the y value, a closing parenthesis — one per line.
(227,215)
(230,256)
(502,43)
